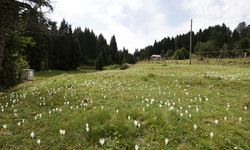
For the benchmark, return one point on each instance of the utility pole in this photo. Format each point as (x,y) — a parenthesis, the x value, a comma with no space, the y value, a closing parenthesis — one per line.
(190,51)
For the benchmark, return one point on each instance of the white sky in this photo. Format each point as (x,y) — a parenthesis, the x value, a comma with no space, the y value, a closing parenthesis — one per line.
(137,23)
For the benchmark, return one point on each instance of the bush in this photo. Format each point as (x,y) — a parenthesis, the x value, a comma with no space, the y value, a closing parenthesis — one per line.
(181,54)
(112,67)
(124,66)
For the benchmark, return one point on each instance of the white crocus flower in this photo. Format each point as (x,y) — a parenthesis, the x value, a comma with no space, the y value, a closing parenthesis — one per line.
(216,121)
(137,123)
(166,141)
(240,119)
(189,115)
(195,126)
(38,141)
(136,147)
(211,134)
(87,127)
(62,132)
(102,141)
(5,126)
(32,134)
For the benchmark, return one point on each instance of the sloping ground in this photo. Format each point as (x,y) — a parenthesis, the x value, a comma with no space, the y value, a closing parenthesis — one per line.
(150,106)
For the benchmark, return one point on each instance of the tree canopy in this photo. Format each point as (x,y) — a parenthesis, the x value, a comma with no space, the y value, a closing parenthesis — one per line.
(208,42)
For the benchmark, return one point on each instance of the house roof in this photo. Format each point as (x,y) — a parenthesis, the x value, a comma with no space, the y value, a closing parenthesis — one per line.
(156,56)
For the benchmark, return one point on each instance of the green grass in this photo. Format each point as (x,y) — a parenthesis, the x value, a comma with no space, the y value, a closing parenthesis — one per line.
(95,97)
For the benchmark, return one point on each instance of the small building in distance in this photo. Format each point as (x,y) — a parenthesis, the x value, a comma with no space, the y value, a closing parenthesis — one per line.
(27,74)
(156,57)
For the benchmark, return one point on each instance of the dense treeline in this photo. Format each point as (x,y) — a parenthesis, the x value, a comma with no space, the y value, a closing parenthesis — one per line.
(215,41)
(30,40)
(69,49)
(65,49)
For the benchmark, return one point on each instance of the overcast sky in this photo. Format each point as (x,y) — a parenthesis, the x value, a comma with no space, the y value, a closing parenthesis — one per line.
(138,23)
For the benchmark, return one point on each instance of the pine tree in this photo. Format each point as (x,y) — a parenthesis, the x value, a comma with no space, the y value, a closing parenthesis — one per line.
(241,27)
(236,36)
(74,51)
(99,62)
(102,48)
(12,13)
(114,49)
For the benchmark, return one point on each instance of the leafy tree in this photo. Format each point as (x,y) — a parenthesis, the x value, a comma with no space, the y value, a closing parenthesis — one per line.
(241,27)
(181,54)
(205,48)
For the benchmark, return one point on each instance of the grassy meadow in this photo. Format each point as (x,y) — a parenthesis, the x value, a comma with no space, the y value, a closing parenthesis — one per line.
(148,106)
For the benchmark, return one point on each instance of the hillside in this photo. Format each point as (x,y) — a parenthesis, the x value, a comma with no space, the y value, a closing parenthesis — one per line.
(152,106)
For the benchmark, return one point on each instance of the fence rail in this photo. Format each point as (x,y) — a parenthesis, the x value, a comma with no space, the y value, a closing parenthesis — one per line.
(238,53)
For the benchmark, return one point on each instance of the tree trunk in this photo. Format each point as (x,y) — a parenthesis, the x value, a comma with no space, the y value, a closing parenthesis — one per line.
(2,43)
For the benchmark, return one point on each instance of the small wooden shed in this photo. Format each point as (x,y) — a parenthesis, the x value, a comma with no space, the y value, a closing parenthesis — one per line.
(156,57)
(27,74)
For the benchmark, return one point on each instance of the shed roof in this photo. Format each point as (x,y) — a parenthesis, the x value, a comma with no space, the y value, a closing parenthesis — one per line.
(156,56)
